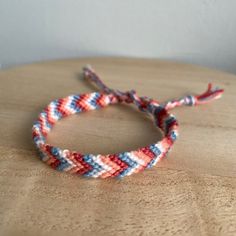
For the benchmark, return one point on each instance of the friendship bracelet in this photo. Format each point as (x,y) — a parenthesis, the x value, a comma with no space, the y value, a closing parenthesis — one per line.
(111,165)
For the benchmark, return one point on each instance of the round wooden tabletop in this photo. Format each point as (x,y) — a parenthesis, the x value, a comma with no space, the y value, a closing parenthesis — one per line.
(192,192)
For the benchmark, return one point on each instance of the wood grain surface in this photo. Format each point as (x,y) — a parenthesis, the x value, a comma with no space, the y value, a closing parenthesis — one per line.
(192,192)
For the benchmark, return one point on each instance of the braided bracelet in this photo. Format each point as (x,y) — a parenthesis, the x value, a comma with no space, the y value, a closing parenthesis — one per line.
(112,165)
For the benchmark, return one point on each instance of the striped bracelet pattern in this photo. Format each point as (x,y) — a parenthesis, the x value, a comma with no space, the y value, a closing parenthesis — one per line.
(112,165)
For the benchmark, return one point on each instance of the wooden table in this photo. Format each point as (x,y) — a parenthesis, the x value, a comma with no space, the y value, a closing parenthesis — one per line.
(192,192)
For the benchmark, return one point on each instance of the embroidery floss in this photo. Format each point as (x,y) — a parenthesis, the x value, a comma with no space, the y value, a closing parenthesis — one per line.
(111,165)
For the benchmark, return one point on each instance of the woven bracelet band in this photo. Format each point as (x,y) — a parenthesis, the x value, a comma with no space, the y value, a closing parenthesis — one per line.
(112,165)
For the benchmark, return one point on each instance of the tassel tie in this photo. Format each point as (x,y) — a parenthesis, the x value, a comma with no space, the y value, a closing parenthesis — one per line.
(141,102)
(118,164)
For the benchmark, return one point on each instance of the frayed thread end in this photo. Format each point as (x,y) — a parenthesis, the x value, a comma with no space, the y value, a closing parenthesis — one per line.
(209,95)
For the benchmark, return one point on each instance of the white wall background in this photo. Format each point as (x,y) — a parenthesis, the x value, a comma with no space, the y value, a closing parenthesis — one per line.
(195,31)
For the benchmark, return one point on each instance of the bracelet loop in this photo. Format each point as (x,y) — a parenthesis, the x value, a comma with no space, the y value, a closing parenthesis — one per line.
(111,165)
